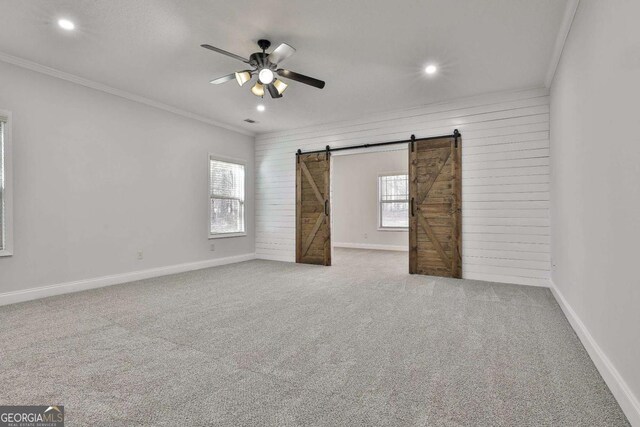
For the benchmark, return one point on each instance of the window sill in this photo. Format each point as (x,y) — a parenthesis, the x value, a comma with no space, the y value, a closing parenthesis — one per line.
(6,253)
(393,228)
(225,235)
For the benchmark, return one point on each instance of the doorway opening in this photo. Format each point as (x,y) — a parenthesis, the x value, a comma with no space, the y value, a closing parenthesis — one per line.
(369,192)
(379,192)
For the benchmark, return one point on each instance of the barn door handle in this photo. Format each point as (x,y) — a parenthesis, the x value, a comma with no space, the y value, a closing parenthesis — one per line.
(412,211)
(326,207)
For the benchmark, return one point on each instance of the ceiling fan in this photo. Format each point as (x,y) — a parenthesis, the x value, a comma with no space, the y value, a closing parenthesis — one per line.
(265,66)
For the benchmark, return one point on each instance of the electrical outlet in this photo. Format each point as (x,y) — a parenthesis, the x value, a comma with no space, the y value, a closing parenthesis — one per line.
(366,235)
(140,255)
(212,247)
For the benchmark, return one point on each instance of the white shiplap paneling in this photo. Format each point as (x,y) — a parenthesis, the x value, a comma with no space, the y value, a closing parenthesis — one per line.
(505,178)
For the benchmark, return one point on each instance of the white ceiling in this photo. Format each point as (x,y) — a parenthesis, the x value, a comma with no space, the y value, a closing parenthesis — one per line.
(371,53)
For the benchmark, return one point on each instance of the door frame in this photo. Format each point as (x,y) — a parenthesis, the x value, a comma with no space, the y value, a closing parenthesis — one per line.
(357,151)
(372,148)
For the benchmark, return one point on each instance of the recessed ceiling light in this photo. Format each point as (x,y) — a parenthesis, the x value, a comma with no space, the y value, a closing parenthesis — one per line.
(260,107)
(431,69)
(66,24)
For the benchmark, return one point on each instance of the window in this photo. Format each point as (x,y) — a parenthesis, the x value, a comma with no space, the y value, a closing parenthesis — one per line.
(5,185)
(393,191)
(226,192)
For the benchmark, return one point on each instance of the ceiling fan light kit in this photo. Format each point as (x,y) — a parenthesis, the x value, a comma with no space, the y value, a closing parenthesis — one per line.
(243,76)
(258,89)
(265,66)
(265,76)
(280,86)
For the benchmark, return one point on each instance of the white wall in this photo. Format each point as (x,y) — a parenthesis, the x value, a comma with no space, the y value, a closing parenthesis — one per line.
(505,168)
(354,199)
(98,177)
(595,142)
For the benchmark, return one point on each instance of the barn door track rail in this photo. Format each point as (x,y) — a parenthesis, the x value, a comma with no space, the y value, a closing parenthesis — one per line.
(455,135)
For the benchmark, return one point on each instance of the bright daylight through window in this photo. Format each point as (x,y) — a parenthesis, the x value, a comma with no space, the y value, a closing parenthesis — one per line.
(226,188)
(393,201)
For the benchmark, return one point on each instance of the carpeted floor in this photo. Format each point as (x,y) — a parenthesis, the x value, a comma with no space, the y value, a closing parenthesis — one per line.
(270,343)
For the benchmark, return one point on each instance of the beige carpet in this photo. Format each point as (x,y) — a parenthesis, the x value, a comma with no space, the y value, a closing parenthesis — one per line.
(271,343)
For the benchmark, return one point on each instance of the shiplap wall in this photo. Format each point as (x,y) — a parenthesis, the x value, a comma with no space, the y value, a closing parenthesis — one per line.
(505,178)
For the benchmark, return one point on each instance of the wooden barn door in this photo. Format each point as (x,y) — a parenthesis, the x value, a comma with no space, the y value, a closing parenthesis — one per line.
(313,225)
(435,207)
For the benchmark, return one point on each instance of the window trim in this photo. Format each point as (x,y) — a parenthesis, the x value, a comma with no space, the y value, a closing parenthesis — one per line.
(213,156)
(380,226)
(7,249)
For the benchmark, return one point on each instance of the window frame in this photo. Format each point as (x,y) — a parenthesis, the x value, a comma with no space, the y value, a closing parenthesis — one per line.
(243,163)
(380,202)
(7,198)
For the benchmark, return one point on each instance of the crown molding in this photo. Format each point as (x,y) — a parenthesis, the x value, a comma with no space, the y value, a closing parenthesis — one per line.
(33,66)
(563,34)
(384,115)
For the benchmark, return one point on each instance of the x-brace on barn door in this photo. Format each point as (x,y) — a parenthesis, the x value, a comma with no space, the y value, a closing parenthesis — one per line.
(435,216)
(313,225)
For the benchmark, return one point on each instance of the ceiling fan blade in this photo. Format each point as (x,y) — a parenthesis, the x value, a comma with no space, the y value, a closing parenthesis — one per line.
(273,91)
(223,79)
(224,52)
(281,53)
(301,78)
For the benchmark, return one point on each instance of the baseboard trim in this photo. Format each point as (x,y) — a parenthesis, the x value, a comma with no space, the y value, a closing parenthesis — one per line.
(116,279)
(372,246)
(282,258)
(621,391)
